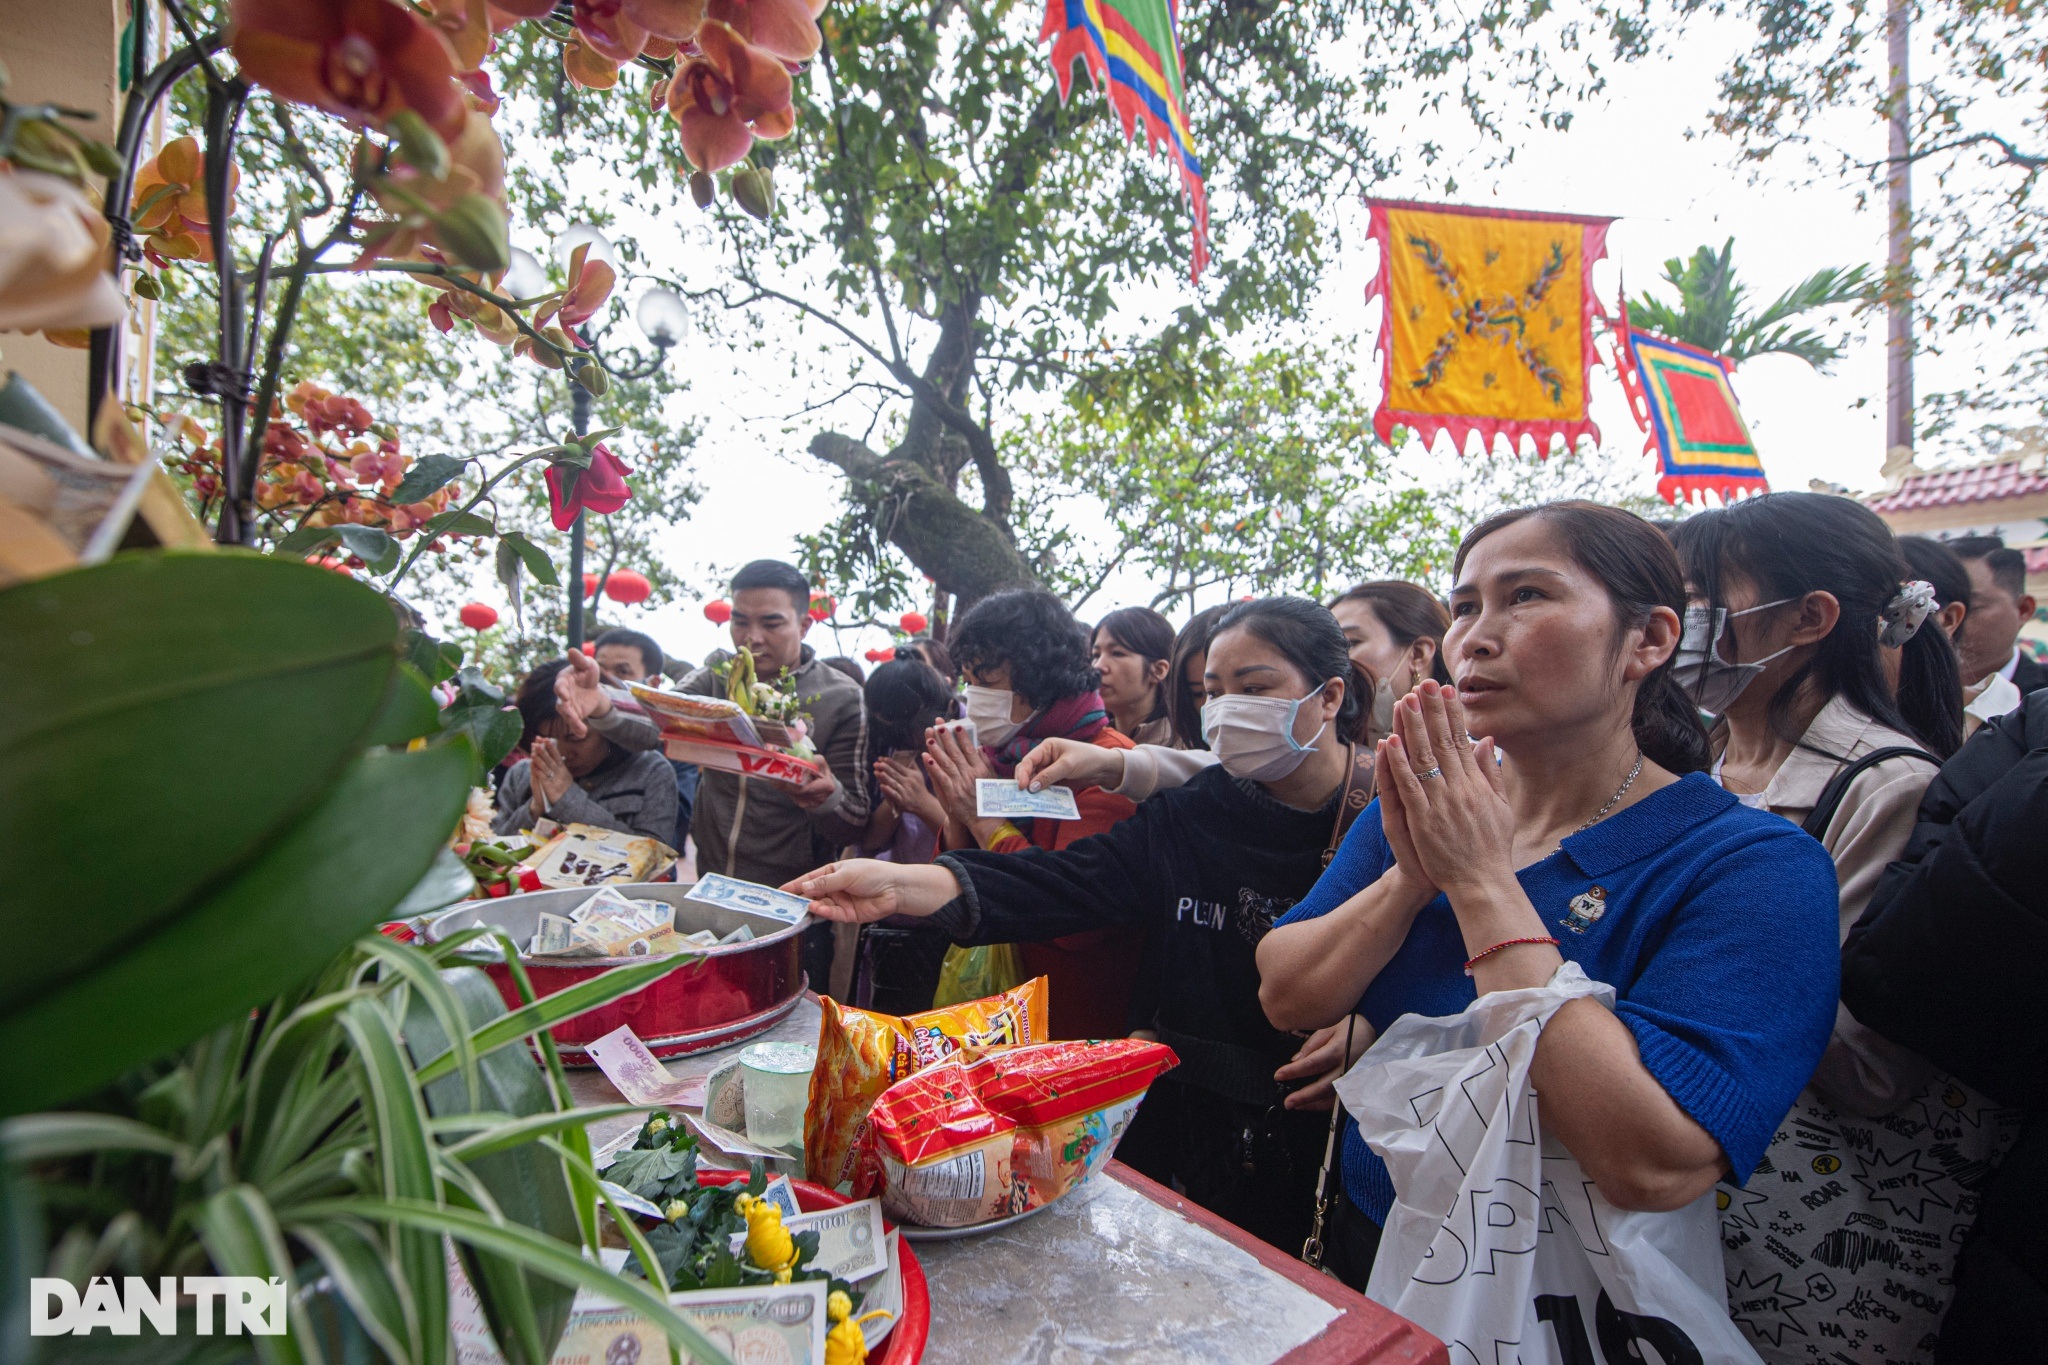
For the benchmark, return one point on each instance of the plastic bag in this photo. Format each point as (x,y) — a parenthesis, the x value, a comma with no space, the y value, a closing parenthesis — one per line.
(860,1054)
(982,1136)
(976,973)
(1496,1235)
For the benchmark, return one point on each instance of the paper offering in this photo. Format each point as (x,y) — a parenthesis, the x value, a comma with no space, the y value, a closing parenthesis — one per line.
(770,1323)
(638,1073)
(1000,798)
(715,888)
(851,1244)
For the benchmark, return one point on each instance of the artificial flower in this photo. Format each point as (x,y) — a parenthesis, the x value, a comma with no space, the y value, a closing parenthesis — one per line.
(600,489)
(590,284)
(363,60)
(170,210)
(585,66)
(728,95)
(783,28)
(54,257)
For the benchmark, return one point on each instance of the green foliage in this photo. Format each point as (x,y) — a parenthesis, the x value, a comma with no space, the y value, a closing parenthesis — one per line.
(170,888)
(340,1134)
(1256,476)
(1710,311)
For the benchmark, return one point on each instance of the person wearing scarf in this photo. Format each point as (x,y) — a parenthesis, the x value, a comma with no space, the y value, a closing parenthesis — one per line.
(1030,679)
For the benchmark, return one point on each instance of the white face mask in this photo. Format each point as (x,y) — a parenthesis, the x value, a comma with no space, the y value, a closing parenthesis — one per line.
(1711,682)
(989,709)
(1254,736)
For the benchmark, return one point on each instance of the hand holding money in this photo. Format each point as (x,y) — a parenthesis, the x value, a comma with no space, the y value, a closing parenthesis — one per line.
(863,890)
(1001,799)
(715,888)
(1070,763)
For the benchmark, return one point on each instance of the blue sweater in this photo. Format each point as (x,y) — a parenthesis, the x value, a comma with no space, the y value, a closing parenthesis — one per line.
(1716,928)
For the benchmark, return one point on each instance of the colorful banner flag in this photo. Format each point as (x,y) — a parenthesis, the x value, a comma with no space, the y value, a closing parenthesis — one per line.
(1132,51)
(1488,324)
(1683,401)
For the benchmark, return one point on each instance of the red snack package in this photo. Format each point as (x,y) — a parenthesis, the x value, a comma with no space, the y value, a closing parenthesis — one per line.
(982,1136)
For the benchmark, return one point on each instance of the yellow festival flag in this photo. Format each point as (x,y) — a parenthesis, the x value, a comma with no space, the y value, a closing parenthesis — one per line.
(1488,325)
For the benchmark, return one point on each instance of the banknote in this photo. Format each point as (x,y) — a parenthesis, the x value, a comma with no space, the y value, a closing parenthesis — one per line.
(851,1244)
(714,888)
(885,1292)
(782,1195)
(1000,798)
(629,1201)
(551,935)
(777,1324)
(638,1074)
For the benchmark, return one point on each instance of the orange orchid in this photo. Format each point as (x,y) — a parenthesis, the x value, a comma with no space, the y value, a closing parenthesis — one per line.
(587,67)
(363,60)
(466,24)
(590,284)
(783,28)
(729,94)
(171,213)
(428,211)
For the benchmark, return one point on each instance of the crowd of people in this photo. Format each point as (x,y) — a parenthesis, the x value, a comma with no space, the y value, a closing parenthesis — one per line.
(1768,771)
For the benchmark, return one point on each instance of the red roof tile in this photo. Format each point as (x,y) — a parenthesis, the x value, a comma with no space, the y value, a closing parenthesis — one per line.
(1950,487)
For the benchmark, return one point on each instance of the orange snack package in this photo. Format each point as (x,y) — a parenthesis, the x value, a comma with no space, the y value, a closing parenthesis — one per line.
(861,1054)
(985,1135)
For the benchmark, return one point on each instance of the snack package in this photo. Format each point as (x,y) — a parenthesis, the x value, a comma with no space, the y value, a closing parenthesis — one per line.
(860,1054)
(584,855)
(986,1135)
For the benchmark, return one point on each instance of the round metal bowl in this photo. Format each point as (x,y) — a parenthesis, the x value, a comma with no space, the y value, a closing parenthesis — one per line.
(731,993)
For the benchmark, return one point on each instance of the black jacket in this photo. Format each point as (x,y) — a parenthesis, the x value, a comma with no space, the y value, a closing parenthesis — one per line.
(1948,961)
(1204,868)
(2029,676)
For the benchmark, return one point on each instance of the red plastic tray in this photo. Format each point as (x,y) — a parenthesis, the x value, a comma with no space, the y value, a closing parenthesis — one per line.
(904,1345)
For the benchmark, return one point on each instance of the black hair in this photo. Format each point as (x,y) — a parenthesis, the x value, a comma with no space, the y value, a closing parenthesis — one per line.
(1635,563)
(841,664)
(2008,567)
(905,697)
(1184,703)
(1410,612)
(1032,633)
(536,701)
(1936,565)
(934,652)
(651,657)
(1791,544)
(1143,632)
(1312,641)
(773,573)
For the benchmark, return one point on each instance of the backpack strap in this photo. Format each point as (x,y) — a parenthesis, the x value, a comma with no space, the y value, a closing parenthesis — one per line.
(1356,796)
(1823,813)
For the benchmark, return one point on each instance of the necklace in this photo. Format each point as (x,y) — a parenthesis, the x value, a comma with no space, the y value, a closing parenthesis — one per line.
(1619,792)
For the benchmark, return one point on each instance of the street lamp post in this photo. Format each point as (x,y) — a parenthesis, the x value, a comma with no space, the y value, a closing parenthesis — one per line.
(662,319)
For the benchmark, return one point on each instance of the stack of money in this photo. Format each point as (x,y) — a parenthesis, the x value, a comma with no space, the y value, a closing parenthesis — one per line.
(610,925)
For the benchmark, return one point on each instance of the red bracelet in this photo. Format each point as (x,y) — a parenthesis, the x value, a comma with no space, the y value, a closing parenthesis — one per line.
(1481,957)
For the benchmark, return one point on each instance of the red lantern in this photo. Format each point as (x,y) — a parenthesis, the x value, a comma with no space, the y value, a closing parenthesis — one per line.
(875,656)
(587,647)
(478,616)
(627,586)
(718,612)
(589,584)
(913,622)
(822,606)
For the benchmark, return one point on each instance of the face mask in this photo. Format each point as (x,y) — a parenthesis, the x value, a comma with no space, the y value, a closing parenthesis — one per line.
(989,709)
(1254,736)
(1710,681)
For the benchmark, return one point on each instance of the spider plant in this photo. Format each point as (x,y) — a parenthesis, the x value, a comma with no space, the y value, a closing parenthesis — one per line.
(343,1138)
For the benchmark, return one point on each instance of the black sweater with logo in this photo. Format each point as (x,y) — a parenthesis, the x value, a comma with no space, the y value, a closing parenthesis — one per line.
(1205,869)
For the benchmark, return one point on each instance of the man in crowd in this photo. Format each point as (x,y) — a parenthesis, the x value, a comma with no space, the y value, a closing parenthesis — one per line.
(631,656)
(1999,606)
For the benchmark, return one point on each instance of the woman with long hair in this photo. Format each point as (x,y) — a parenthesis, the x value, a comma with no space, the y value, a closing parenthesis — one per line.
(905,698)
(1578,827)
(1133,648)
(1204,869)
(1805,609)
(1396,629)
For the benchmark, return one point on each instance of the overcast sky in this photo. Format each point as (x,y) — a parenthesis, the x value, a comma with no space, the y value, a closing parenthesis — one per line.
(1640,156)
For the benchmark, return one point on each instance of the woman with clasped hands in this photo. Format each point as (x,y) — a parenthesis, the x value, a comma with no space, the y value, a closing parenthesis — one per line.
(1579,826)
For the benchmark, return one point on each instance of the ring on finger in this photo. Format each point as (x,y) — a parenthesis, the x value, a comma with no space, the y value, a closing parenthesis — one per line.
(1428,773)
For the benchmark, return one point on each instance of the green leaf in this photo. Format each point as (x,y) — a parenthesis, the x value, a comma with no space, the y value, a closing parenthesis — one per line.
(436,660)
(426,476)
(550,1010)
(241,1237)
(444,884)
(537,1252)
(185,657)
(501,1136)
(494,730)
(274,923)
(377,550)
(409,710)
(533,557)
(459,523)
(307,539)
(45,1137)
(356,1261)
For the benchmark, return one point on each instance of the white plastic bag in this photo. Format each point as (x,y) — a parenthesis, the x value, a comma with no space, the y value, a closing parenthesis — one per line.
(1497,1242)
